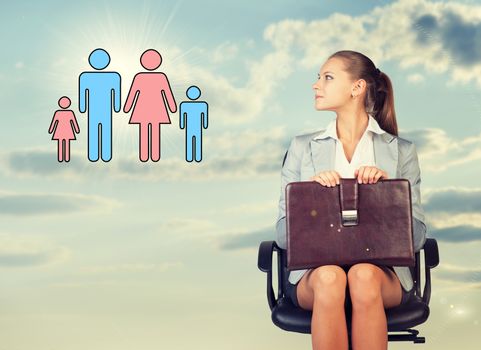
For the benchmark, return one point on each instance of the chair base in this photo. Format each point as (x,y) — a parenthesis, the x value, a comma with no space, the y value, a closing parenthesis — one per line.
(412,336)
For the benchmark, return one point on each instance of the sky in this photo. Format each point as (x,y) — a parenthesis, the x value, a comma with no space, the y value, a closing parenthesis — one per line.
(125,254)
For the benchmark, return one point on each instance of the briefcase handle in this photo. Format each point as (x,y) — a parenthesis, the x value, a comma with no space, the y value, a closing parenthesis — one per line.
(348,193)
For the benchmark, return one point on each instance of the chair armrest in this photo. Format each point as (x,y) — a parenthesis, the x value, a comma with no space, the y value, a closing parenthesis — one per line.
(431,253)
(264,263)
(431,260)
(264,259)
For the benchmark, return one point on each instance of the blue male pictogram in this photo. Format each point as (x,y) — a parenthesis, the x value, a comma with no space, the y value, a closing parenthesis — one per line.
(193,117)
(97,91)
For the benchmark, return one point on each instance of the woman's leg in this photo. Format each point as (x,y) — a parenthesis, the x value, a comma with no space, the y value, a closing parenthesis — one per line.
(67,150)
(323,291)
(372,289)
(144,142)
(59,150)
(155,140)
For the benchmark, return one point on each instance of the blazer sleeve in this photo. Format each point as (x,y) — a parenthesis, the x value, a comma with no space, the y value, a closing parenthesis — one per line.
(290,172)
(410,170)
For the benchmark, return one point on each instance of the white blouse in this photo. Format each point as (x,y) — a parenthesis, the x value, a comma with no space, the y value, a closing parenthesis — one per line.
(363,154)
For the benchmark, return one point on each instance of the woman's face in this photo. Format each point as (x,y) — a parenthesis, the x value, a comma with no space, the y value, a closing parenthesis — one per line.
(334,86)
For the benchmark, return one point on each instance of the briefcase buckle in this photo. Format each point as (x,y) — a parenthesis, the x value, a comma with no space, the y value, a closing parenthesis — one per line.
(349,217)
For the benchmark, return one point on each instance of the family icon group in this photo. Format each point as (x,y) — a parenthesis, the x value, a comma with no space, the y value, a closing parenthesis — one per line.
(150,99)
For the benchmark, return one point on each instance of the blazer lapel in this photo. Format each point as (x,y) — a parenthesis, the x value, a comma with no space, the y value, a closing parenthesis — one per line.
(386,153)
(322,154)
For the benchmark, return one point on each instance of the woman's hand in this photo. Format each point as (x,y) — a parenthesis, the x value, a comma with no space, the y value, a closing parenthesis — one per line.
(369,174)
(329,178)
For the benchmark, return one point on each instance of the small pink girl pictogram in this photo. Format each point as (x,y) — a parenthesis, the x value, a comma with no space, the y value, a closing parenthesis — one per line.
(64,126)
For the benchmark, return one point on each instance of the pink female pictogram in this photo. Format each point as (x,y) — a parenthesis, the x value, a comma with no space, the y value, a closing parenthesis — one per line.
(64,126)
(148,95)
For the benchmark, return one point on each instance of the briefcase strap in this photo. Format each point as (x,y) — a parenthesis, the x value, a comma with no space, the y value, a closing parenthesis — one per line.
(348,193)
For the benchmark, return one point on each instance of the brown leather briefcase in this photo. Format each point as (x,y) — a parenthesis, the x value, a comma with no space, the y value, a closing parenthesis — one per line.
(349,223)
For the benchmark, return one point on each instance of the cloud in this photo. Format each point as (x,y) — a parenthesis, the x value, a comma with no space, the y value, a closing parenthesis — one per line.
(411,33)
(457,234)
(439,152)
(237,104)
(230,155)
(449,208)
(454,200)
(231,101)
(186,227)
(247,240)
(29,251)
(458,273)
(89,285)
(43,203)
(39,162)
(415,78)
(249,208)
(132,267)
(394,32)
(453,213)
(448,26)
(224,52)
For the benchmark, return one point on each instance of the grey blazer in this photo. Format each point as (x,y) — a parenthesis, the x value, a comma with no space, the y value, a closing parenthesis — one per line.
(395,155)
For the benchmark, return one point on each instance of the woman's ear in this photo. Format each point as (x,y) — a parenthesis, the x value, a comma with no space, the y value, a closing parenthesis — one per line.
(358,87)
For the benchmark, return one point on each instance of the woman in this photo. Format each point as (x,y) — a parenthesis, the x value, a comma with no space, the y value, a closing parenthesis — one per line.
(360,143)
(154,93)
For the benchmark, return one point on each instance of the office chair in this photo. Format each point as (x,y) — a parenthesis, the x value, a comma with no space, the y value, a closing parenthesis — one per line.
(399,319)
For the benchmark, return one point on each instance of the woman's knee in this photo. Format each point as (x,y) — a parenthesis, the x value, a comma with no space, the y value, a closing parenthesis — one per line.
(364,284)
(328,283)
